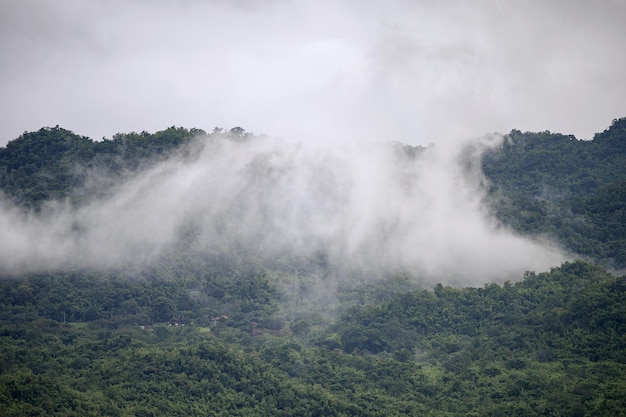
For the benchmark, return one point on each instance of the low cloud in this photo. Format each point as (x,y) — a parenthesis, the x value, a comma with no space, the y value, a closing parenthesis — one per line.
(375,208)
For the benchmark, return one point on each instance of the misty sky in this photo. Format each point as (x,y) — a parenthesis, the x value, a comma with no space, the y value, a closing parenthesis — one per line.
(324,71)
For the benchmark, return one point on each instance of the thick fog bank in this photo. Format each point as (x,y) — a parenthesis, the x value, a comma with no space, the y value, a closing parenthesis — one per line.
(376,207)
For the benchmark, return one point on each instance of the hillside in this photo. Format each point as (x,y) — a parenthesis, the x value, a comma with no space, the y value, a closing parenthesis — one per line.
(552,184)
(53,163)
(540,184)
(551,344)
(203,323)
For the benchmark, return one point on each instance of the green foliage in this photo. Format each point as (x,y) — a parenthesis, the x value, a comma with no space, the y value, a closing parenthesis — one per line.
(51,163)
(513,347)
(40,165)
(571,190)
(211,336)
(551,344)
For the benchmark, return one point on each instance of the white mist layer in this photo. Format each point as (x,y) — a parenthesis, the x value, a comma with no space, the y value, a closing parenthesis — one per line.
(366,207)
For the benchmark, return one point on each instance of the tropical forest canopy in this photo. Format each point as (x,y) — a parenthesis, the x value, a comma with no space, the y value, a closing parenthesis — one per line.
(220,333)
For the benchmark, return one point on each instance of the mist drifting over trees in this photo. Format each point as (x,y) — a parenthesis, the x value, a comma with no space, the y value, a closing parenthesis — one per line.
(375,252)
(377,206)
(186,273)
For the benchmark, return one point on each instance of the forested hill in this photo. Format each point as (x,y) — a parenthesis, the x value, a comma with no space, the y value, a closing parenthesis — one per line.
(550,345)
(542,183)
(200,334)
(575,190)
(51,163)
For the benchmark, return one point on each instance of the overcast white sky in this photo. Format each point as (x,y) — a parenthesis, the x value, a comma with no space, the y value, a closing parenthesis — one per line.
(408,70)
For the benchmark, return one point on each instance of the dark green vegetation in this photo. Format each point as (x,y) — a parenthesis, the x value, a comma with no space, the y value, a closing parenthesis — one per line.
(552,344)
(214,337)
(547,183)
(52,163)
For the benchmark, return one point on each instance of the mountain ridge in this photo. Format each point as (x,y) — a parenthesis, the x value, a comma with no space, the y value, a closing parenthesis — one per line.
(196,333)
(539,184)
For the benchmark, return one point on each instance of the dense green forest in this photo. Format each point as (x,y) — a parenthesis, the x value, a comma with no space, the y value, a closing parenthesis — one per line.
(77,344)
(52,163)
(574,190)
(197,335)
